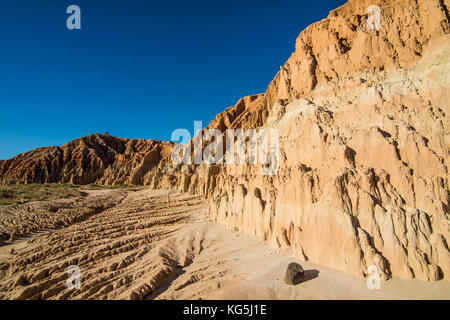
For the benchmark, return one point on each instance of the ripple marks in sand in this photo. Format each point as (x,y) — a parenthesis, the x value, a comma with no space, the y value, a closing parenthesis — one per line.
(126,251)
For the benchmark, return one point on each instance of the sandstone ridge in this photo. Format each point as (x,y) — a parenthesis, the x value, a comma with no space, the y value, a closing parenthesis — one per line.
(97,158)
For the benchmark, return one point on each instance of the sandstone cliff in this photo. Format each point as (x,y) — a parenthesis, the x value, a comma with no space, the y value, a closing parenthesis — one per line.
(362,117)
(364,146)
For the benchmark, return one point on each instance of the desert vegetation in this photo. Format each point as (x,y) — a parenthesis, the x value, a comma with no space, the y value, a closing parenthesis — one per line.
(23,193)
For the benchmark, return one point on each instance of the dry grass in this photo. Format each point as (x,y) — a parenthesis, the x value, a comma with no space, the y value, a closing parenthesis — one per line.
(22,193)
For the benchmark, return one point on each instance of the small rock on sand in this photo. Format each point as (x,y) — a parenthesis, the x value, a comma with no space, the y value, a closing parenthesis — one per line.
(294,274)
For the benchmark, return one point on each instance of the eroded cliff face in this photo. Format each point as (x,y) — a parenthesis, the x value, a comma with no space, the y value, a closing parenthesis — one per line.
(363,125)
(364,146)
(362,177)
(342,44)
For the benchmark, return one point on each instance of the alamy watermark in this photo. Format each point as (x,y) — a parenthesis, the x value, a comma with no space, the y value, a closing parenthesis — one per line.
(373,277)
(234,146)
(74,20)
(74,280)
(374,18)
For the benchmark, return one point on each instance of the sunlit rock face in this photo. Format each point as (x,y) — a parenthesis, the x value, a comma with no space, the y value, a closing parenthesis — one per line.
(363,122)
(364,146)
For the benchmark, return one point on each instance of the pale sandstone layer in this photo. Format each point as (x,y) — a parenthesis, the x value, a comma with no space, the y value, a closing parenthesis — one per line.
(364,148)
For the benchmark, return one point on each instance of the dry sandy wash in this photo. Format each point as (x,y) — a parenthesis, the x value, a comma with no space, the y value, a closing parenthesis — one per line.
(129,244)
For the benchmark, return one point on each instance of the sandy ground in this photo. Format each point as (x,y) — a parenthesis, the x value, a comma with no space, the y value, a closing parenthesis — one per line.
(136,247)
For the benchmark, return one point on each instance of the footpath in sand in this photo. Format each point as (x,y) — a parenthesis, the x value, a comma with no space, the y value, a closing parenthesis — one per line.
(129,244)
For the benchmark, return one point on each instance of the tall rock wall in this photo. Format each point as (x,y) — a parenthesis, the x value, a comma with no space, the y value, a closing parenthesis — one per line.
(364,146)
(361,179)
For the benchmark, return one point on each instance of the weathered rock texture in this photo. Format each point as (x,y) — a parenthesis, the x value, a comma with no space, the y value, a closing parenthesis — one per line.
(364,148)
(97,158)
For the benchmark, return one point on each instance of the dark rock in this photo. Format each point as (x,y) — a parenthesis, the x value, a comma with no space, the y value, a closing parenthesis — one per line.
(294,274)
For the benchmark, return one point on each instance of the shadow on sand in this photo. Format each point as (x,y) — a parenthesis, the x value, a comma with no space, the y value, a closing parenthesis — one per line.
(310,274)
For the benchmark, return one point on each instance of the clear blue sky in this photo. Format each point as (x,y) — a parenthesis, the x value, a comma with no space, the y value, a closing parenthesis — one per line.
(137,69)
